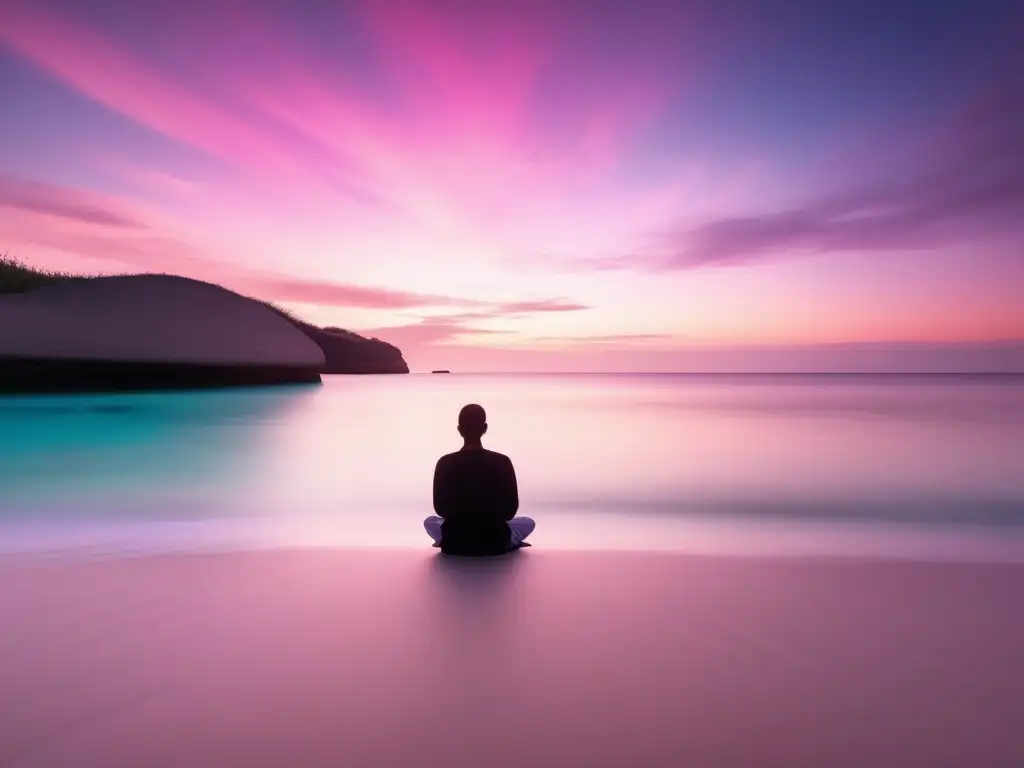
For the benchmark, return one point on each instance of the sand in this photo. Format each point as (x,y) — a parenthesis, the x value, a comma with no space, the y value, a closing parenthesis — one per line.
(544,658)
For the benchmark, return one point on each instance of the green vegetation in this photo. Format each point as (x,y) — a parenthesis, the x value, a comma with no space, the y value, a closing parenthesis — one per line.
(345,352)
(18,277)
(287,314)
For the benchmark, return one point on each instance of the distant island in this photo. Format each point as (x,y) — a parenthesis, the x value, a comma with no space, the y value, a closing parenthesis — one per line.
(441,370)
(61,332)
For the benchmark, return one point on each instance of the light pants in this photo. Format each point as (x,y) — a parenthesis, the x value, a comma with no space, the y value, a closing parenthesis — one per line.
(521,527)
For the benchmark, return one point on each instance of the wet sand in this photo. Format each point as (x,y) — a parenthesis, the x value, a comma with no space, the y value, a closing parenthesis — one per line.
(405,658)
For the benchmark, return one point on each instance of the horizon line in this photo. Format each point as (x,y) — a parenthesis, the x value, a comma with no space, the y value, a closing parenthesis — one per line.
(719,373)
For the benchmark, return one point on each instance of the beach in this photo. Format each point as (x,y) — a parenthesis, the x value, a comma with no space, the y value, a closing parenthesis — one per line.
(389,657)
(727,571)
(718,303)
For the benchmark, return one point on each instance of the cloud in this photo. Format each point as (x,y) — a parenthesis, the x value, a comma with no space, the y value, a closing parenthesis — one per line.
(83,223)
(326,293)
(456,327)
(120,237)
(279,121)
(492,310)
(539,305)
(61,202)
(116,236)
(438,114)
(161,253)
(147,252)
(89,63)
(428,332)
(967,186)
(503,310)
(615,339)
(154,181)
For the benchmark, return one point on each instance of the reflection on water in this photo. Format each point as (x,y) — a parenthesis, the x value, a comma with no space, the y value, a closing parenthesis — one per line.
(75,455)
(602,460)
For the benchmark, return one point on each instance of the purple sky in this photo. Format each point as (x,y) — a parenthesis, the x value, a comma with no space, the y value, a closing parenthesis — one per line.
(588,185)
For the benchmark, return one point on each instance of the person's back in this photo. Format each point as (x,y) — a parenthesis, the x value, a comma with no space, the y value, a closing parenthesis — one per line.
(476,496)
(475,492)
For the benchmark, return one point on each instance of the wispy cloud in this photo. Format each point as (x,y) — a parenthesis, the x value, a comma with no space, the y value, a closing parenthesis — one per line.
(609,339)
(443,126)
(539,305)
(462,327)
(429,332)
(966,186)
(385,155)
(90,63)
(50,200)
(326,293)
(127,238)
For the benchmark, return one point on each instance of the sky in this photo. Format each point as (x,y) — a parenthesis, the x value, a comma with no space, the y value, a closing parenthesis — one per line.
(585,185)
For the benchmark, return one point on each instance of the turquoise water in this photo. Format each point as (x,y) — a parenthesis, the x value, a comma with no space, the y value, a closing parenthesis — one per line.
(703,463)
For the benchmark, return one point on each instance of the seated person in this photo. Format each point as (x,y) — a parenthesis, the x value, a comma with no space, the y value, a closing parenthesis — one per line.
(476,497)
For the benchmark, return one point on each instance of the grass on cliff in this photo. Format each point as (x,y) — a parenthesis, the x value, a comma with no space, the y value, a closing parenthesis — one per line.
(18,277)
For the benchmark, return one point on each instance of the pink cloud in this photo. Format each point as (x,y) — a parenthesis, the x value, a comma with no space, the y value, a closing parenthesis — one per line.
(613,340)
(965,188)
(480,63)
(53,216)
(106,71)
(326,293)
(453,149)
(478,78)
(161,183)
(323,293)
(540,305)
(34,197)
(91,65)
(426,333)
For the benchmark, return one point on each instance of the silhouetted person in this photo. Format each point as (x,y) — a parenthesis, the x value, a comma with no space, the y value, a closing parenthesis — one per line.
(476,496)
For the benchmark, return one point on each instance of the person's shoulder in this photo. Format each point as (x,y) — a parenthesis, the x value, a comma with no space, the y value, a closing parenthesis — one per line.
(497,458)
(448,458)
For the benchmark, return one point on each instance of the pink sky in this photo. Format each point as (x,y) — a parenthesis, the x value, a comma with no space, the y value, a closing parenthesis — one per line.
(513,187)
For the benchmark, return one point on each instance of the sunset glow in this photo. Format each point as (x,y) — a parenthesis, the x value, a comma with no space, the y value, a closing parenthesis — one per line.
(542,186)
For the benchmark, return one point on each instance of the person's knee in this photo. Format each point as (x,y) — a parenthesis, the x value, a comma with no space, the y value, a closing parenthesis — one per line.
(525,525)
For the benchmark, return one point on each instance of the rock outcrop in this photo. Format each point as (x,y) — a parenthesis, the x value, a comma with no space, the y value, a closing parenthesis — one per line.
(348,352)
(147,331)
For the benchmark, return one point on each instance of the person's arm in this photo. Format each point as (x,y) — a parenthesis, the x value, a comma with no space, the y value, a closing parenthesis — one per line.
(442,489)
(510,491)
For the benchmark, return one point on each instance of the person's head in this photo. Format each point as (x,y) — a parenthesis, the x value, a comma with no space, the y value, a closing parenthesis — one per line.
(472,422)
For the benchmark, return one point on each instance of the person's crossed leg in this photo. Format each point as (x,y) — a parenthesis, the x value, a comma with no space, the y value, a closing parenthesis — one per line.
(521,527)
(476,492)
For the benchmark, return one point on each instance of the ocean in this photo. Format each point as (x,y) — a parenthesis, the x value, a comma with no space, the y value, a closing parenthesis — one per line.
(786,464)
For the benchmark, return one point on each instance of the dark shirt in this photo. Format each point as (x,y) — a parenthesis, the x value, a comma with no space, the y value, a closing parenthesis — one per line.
(475,492)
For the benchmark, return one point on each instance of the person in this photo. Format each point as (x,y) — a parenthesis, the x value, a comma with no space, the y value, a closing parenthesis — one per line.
(476,496)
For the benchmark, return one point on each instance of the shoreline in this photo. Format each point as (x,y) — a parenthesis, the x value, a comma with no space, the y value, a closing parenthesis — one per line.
(28,376)
(623,533)
(542,658)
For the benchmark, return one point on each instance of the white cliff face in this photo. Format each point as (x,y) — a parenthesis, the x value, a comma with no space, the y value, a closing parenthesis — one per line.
(150,318)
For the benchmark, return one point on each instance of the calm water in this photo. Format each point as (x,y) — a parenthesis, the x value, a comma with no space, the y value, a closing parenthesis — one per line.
(699,463)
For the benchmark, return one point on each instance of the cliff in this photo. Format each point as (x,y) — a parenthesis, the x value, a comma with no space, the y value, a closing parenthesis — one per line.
(348,352)
(146,331)
(67,342)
